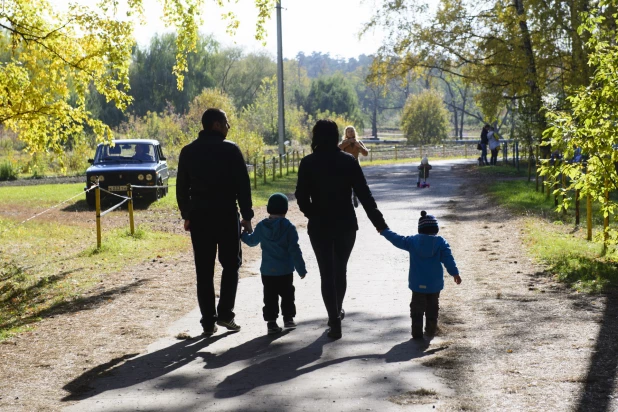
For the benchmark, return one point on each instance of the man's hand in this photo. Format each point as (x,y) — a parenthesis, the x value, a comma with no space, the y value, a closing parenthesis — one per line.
(246,225)
(187,226)
(457,279)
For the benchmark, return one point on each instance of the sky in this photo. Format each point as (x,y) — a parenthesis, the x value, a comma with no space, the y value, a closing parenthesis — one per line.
(326,26)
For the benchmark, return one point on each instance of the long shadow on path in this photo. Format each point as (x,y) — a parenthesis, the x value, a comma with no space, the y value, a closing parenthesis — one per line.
(291,365)
(603,368)
(137,370)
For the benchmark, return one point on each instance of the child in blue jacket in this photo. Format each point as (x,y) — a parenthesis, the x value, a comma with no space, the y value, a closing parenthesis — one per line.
(280,255)
(428,252)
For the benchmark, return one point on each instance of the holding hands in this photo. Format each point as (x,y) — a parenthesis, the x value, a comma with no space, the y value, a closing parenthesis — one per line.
(457,279)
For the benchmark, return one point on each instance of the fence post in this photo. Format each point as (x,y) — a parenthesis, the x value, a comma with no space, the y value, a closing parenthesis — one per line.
(421,151)
(280,165)
(465,151)
(536,167)
(371,156)
(303,154)
(443,150)
(589,217)
(255,173)
(606,219)
(97,202)
(130,207)
(517,154)
(576,207)
(264,163)
(274,168)
(287,164)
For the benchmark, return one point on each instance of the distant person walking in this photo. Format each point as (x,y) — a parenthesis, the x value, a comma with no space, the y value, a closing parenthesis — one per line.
(355,147)
(484,143)
(326,179)
(494,145)
(212,178)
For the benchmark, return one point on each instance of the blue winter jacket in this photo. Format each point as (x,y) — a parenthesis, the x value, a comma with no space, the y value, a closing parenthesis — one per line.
(280,250)
(427,255)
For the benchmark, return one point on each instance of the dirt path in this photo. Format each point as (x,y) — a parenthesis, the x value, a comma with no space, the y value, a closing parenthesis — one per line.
(512,339)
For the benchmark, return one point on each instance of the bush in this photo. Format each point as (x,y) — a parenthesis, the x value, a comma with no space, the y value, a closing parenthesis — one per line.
(425,120)
(8,171)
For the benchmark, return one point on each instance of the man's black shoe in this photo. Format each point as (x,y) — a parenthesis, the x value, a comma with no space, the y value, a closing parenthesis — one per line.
(229,324)
(210,330)
(273,328)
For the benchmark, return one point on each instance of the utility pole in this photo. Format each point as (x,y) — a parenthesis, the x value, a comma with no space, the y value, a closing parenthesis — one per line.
(280,81)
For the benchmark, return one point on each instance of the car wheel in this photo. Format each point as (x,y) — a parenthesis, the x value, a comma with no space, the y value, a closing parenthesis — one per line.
(90,200)
(156,195)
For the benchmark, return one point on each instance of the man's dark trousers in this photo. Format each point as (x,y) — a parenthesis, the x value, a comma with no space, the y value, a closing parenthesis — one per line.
(424,304)
(275,286)
(212,231)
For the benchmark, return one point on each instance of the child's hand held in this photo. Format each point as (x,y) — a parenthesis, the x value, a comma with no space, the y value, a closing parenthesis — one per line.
(457,279)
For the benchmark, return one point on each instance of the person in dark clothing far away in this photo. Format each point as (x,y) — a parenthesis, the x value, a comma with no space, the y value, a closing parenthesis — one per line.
(212,178)
(484,143)
(326,179)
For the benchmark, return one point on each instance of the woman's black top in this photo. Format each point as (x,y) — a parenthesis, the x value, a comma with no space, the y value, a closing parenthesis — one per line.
(324,192)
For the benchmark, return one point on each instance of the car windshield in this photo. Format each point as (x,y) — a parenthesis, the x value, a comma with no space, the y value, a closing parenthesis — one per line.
(126,153)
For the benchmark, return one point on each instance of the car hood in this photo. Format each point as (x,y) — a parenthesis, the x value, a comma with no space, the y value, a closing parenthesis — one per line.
(120,167)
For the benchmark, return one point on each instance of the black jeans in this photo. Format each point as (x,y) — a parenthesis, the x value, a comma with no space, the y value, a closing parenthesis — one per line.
(424,304)
(275,286)
(332,252)
(209,233)
(494,157)
(484,153)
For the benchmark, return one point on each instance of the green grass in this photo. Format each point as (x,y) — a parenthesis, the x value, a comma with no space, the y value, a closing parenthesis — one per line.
(571,259)
(40,195)
(46,267)
(552,236)
(378,162)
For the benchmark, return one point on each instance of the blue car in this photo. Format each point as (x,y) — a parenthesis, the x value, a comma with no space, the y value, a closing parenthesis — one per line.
(136,162)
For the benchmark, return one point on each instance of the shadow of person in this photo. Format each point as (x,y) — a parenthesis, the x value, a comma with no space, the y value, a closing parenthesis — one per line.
(137,369)
(294,364)
(248,350)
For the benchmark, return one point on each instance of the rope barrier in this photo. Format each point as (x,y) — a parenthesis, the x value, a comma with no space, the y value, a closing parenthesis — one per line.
(114,207)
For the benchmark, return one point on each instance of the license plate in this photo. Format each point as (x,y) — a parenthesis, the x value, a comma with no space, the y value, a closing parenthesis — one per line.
(117,188)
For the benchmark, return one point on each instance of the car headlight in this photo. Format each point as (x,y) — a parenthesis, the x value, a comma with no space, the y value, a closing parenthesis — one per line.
(140,177)
(101,178)
(148,176)
(93,179)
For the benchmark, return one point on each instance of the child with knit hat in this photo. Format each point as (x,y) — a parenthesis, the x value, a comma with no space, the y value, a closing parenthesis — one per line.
(428,252)
(280,255)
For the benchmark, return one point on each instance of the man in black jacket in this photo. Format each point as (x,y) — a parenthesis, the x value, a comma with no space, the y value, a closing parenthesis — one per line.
(212,177)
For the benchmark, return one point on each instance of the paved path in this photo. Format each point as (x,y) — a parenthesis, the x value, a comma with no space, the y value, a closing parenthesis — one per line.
(302,369)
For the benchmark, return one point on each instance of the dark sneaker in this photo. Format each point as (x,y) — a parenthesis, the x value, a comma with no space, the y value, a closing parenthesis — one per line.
(342,314)
(289,323)
(210,330)
(273,328)
(431,327)
(229,324)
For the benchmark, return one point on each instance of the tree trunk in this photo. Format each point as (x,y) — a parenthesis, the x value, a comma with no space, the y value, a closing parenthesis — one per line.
(535,116)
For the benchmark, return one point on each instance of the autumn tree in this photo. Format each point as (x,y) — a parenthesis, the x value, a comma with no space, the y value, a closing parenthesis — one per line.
(50,58)
(425,119)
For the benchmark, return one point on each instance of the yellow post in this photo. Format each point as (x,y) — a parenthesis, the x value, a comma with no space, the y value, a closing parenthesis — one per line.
(606,219)
(589,217)
(97,202)
(130,202)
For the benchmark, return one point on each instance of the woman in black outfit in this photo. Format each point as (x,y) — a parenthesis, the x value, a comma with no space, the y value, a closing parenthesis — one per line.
(324,192)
